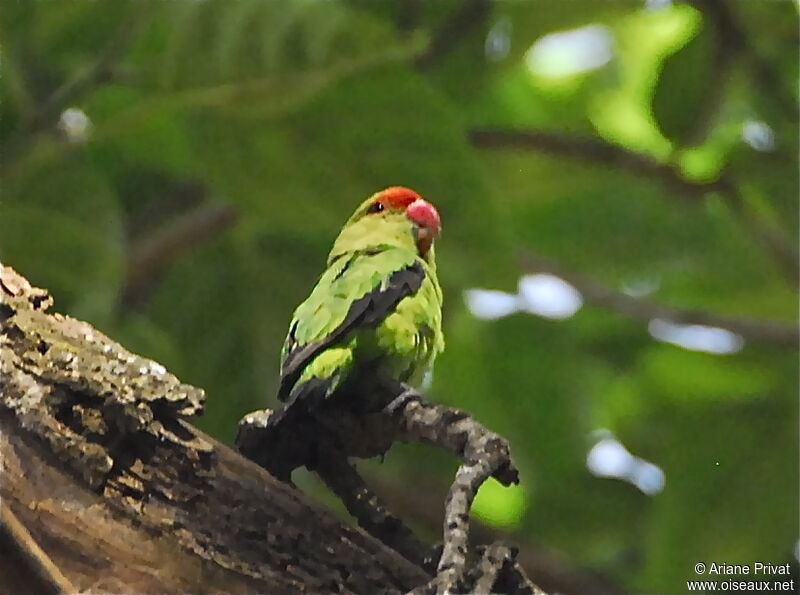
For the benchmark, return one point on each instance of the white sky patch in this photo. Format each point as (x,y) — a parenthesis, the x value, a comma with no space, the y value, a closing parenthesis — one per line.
(549,296)
(490,304)
(75,125)
(641,287)
(566,53)
(427,380)
(646,476)
(696,337)
(609,458)
(657,4)
(541,294)
(758,135)
(498,40)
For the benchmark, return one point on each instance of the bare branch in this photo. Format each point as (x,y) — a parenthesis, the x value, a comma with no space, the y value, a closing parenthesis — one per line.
(492,561)
(150,256)
(598,151)
(723,57)
(124,496)
(460,24)
(453,430)
(594,150)
(46,576)
(484,454)
(495,559)
(170,241)
(756,330)
(770,236)
(97,73)
(364,505)
(409,15)
(721,14)
(321,436)
(554,571)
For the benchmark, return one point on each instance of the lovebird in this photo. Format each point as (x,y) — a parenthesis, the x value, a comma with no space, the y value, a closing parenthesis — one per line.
(374,318)
(371,327)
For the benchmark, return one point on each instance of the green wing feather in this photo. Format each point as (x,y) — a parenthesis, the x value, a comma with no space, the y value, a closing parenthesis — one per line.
(381,304)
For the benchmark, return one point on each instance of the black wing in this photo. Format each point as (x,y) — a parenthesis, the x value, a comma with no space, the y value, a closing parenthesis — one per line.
(367,311)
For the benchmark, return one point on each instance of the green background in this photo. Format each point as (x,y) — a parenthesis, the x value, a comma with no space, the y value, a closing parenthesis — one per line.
(229,140)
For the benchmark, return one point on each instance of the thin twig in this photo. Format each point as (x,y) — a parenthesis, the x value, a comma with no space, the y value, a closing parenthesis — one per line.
(554,571)
(598,151)
(408,15)
(498,570)
(453,430)
(150,256)
(492,561)
(484,454)
(49,577)
(594,150)
(519,581)
(726,49)
(321,438)
(452,564)
(750,329)
(767,234)
(98,72)
(178,236)
(365,506)
(43,116)
(721,14)
(460,24)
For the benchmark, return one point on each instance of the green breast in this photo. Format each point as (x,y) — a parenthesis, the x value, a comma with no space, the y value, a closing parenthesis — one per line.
(411,337)
(404,344)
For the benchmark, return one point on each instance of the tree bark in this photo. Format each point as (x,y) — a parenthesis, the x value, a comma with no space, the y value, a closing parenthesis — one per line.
(107,489)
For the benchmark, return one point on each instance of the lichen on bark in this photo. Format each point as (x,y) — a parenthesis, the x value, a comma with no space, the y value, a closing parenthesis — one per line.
(101,409)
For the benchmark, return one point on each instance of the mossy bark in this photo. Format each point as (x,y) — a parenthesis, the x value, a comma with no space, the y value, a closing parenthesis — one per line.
(107,488)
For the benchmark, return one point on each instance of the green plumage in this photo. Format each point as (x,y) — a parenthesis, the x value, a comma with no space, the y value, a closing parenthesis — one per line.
(362,317)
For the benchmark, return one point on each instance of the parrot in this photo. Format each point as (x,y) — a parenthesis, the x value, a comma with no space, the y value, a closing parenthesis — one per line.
(375,314)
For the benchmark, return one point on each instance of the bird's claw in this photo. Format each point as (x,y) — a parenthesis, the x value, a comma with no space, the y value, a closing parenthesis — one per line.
(400,402)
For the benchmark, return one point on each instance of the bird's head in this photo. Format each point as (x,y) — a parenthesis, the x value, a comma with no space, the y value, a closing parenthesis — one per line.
(396,216)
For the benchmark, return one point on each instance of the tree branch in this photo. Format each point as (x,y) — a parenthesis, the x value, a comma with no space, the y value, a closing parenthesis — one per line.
(770,236)
(756,330)
(554,572)
(460,24)
(723,56)
(594,150)
(123,495)
(721,14)
(153,254)
(600,152)
(494,559)
(47,578)
(365,506)
(359,422)
(484,454)
(408,15)
(97,73)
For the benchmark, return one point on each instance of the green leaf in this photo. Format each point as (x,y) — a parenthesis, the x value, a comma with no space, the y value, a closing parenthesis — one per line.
(703,376)
(498,505)
(687,90)
(622,113)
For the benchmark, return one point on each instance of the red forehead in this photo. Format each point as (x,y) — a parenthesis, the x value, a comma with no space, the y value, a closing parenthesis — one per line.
(398,197)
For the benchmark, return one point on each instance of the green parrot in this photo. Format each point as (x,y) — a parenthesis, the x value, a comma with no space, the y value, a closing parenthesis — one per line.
(376,311)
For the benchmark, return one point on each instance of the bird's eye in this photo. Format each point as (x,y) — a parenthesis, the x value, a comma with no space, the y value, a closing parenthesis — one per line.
(375,207)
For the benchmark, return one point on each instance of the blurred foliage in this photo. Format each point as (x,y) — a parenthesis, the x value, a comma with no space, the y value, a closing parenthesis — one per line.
(289,113)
